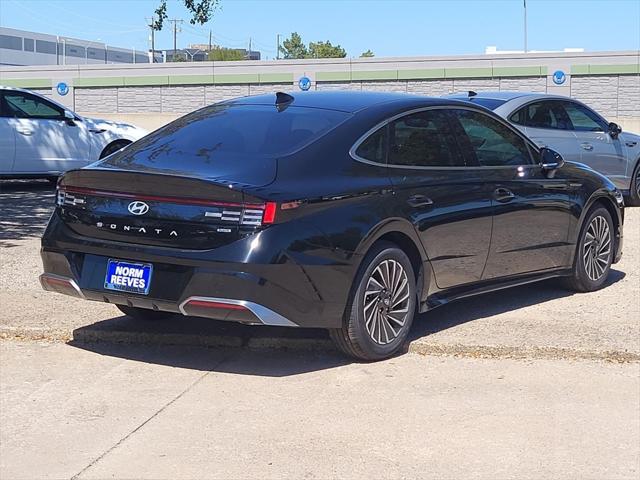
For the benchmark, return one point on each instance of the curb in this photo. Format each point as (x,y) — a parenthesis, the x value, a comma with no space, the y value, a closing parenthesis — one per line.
(417,347)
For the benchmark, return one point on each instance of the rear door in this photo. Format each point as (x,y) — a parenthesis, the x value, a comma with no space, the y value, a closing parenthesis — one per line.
(449,204)
(7,141)
(531,210)
(547,124)
(598,149)
(45,142)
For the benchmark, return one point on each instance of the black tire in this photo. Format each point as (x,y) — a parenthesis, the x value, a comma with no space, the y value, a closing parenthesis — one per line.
(144,313)
(357,337)
(634,191)
(113,147)
(590,258)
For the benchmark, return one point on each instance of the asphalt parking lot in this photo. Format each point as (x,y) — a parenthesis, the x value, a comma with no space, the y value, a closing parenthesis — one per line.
(530,382)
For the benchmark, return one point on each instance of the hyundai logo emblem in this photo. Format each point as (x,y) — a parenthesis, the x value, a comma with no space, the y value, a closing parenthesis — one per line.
(138,208)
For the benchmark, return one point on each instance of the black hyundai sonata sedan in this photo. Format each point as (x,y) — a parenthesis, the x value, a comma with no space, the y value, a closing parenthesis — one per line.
(346,211)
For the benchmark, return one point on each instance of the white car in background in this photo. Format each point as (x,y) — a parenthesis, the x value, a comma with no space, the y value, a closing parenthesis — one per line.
(41,138)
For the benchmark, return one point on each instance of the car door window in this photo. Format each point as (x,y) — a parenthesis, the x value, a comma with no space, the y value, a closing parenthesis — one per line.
(583,119)
(24,105)
(490,142)
(548,114)
(424,139)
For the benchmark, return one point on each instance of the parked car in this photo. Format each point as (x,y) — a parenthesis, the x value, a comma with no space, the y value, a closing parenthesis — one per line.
(41,138)
(345,211)
(574,130)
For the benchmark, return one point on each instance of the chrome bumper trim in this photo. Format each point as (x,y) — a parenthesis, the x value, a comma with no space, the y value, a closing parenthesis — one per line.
(59,278)
(265,315)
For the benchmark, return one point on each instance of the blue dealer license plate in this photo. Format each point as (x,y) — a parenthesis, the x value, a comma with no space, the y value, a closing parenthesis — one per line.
(128,277)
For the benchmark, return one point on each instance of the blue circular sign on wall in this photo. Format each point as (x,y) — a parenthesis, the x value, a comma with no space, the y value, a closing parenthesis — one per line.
(304,83)
(62,88)
(559,77)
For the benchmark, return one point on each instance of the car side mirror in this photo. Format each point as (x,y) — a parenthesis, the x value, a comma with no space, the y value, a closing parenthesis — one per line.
(550,160)
(614,130)
(70,118)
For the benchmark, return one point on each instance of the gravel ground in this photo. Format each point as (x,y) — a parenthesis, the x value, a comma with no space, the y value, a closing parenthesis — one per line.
(534,321)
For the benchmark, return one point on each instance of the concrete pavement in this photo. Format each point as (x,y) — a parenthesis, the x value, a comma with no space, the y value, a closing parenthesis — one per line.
(96,411)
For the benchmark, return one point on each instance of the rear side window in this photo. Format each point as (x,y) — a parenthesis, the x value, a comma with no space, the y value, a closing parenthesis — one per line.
(374,148)
(423,139)
(548,115)
(491,142)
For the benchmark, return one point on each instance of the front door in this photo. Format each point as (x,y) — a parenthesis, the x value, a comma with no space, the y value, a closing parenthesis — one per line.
(598,148)
(531,212)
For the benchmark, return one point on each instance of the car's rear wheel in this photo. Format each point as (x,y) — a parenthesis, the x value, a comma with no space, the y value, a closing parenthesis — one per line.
(381,306)
(144,313)
(594,252)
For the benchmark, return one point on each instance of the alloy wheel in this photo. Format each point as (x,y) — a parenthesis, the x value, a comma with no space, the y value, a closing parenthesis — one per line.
(386,302)
(596,248)
(638,183)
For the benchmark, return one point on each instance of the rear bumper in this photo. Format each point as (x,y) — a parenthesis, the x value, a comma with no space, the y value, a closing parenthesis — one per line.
(209,307)
(293,289)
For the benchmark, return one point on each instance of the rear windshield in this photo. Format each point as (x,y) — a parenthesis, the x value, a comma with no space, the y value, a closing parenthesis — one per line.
(227,132)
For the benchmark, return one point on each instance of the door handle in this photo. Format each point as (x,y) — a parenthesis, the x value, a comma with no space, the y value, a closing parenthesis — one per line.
(631,144)
(25,131)
(503,195)
(586,146)
(419,201)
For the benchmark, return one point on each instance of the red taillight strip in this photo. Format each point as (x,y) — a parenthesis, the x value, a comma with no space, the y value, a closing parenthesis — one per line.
(210,304)
(157,198)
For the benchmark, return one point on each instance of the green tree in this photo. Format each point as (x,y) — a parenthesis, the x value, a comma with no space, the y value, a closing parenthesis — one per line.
(201,11)
(293,47)
(367,54)
(326,50)
(225,54)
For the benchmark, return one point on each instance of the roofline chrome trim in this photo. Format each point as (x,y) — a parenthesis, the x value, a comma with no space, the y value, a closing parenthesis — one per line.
(264,314)
(503,121)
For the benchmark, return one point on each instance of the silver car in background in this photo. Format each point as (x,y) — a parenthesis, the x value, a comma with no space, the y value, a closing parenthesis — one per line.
(574,130)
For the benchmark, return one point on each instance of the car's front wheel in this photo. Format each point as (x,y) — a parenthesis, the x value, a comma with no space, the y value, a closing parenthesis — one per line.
(381,305)
(594,252)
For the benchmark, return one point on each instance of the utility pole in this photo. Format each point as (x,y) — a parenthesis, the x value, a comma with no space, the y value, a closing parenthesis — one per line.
(152,26)
(249,52)
(525,26)
(175,22)
(278,47)
(209,40)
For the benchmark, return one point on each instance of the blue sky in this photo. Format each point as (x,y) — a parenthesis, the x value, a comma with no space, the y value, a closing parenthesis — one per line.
(388,27)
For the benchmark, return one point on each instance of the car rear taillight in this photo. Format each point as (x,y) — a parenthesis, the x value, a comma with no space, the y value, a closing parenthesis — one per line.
(269,213)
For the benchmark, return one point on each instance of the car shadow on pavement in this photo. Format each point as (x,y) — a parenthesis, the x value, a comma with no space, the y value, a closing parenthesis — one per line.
(177,341)
(25,207)
(194,343)
(494,303)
